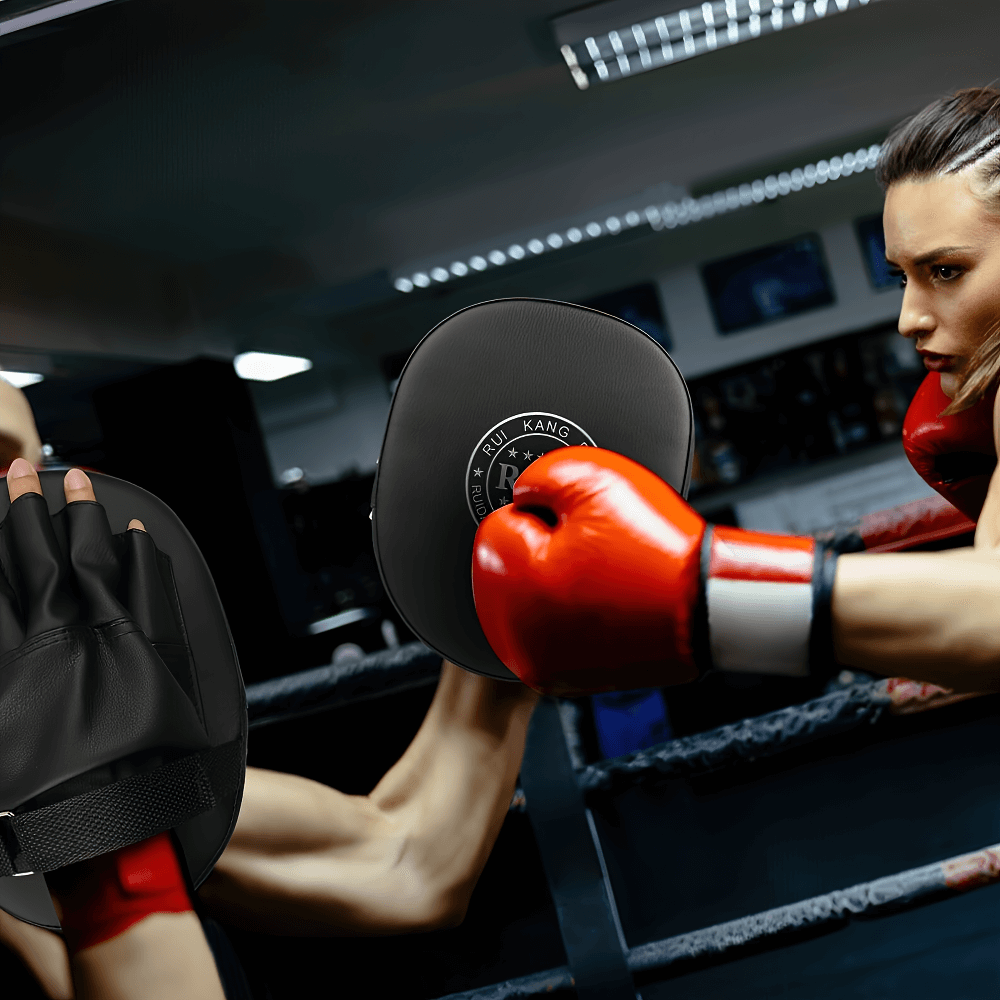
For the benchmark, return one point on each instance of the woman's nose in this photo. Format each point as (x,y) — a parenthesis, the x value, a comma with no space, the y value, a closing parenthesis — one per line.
(915,319)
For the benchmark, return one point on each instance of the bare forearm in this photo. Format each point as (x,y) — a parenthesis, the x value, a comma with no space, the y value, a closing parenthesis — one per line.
(162,957)
(453,786)
(929,616)
(306,859)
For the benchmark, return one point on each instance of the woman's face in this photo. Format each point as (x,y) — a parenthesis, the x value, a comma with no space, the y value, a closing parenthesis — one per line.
(945,245)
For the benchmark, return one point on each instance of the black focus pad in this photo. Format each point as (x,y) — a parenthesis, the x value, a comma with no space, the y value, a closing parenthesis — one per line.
(483,395)
(122,710)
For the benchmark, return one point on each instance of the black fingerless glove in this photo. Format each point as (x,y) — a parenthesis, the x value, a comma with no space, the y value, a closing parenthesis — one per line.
(101,743)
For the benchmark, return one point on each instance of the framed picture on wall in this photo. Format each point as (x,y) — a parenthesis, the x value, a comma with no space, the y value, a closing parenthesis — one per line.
(768,284)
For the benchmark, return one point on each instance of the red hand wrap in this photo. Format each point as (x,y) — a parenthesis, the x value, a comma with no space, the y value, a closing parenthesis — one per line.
(103,897)
(956,454)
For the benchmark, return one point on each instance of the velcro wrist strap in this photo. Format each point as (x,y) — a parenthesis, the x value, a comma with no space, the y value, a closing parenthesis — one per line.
(759,595)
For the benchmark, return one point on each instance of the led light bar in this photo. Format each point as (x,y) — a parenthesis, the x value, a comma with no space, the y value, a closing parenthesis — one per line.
(664,216)
(629,49)
(15,16)
(259,367)
(20,379)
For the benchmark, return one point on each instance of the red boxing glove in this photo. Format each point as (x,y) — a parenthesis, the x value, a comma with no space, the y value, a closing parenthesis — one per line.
(955,455)
(599,577)
(103,897)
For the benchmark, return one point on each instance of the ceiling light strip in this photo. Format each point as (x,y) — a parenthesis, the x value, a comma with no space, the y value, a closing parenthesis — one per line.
(47,12)
(683,34)
(664,216)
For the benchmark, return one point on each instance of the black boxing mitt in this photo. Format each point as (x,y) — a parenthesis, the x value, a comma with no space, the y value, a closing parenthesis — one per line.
(122,709)
(99,739)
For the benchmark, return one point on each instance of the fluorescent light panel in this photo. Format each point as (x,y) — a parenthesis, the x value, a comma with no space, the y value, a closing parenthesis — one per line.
(20,379)
(259,367)
(665,216)
(634,48)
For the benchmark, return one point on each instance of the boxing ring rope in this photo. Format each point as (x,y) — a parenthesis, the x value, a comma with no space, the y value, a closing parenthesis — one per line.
(766,735)
(386,672)
(414,665)
(881,896)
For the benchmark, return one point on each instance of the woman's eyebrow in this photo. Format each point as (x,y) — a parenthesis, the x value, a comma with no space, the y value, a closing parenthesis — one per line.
(933,255)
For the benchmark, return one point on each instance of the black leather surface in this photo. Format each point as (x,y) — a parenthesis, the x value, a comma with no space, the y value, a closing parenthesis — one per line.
(477,368)
(73,659)
(114,655)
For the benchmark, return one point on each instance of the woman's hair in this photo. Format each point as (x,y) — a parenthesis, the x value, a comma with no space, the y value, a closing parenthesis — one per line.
(952,134)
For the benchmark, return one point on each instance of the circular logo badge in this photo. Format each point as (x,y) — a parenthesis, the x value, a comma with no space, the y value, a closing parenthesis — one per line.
(507,449)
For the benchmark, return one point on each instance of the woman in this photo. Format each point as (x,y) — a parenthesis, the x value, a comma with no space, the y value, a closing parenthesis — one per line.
(941,174)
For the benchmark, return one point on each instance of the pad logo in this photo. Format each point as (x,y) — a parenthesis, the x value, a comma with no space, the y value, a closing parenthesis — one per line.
(507,449)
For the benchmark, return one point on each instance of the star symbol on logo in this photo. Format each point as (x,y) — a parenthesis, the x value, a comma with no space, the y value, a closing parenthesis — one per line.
(528,455)
(512,453)
(479,472)
(504,501)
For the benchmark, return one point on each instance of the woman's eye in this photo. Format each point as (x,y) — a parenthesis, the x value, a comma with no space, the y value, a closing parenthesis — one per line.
(945,272)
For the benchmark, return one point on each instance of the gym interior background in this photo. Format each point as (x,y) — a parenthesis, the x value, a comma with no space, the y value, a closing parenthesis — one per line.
(182,183)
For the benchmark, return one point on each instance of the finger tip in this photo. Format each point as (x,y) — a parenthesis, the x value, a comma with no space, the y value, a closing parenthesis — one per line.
(76,479)
(19,468)
(136,525)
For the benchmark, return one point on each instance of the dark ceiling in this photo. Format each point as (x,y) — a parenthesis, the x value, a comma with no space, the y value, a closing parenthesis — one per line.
(302,145)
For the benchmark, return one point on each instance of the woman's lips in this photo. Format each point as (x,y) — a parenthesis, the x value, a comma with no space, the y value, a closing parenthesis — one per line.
(938,362)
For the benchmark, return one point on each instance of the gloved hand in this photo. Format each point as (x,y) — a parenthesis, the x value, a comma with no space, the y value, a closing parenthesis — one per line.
(86,699)
(955,455)
(599,577)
